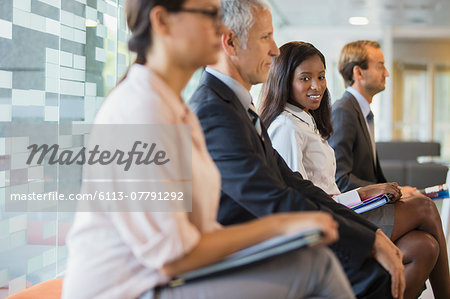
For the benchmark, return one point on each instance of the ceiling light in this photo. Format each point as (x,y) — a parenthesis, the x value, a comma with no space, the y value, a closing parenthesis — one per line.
(358,21)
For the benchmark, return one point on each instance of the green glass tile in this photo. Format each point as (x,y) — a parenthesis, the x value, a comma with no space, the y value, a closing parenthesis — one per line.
(2,145)
(17,284)
(4,228)
(47,275)
(20,189)
(4,277)
(4,244)
(34,264)
(49,257)
(66,216)
(49,229)
(18,239)
(2,197)
(62,252)
(18,223)
(13,231)
(3,182)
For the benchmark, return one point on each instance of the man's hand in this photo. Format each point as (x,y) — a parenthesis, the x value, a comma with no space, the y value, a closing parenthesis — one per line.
(377,189)
(409,191)
(390,257)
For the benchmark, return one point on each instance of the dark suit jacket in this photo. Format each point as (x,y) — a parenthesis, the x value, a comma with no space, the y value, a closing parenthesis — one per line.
(355,165)
(257,182)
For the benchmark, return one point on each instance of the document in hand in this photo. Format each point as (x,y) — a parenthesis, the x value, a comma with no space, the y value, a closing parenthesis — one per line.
(371,203)
(255,253)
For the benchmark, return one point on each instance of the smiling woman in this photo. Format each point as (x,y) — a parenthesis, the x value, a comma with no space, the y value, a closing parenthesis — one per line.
(297,111)
(309,83)
(304,86)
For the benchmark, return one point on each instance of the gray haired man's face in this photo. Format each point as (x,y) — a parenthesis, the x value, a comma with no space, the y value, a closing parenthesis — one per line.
(255,60)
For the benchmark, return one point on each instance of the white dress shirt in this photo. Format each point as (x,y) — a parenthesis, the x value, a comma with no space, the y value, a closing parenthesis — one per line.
(365,109)
(244,96)
(118,255)
(295,137)
(363,104)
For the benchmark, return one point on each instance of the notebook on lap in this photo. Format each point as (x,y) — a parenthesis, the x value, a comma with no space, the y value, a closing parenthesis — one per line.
(371,203)
(258,252)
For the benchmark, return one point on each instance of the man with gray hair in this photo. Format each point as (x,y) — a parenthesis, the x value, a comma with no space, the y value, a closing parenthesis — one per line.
(255,180)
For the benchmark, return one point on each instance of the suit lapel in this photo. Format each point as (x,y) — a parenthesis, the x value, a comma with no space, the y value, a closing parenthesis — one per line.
(362,123)
(228,95)
(224,93)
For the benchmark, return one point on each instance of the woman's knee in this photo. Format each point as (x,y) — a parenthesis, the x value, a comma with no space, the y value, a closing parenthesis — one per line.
(429,248)
(419,247)
(433,246)
(425,207)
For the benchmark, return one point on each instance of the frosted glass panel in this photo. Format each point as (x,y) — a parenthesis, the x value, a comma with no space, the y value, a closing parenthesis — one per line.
(58,60)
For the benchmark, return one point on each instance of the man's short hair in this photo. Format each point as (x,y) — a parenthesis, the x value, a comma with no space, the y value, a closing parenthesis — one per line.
(238,16)
(353,54)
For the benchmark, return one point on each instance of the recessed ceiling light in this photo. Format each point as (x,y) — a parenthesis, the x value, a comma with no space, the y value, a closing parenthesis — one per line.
(358,21)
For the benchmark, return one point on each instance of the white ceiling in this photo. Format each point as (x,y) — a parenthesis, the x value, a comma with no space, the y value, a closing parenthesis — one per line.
(417,13)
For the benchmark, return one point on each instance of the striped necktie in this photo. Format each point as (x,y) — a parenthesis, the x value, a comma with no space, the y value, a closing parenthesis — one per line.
(255,119)
(370,123)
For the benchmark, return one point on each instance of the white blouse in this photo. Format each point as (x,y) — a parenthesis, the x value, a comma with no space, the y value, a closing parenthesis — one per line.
(118,255)
(295,137)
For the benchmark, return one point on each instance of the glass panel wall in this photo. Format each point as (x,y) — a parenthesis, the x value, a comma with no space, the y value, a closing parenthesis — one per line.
(422,104)
(58,61)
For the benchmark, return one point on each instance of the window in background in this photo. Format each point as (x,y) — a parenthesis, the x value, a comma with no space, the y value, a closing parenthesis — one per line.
(416,104)
(335,82)
(412,103)
(188,91)
(58,61)
(442,110)
(422,104)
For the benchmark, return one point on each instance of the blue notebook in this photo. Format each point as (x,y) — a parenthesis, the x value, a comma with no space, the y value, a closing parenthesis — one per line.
(371,203)
(255,253)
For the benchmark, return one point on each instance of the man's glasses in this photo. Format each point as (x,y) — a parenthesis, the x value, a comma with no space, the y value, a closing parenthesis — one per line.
(213,14)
